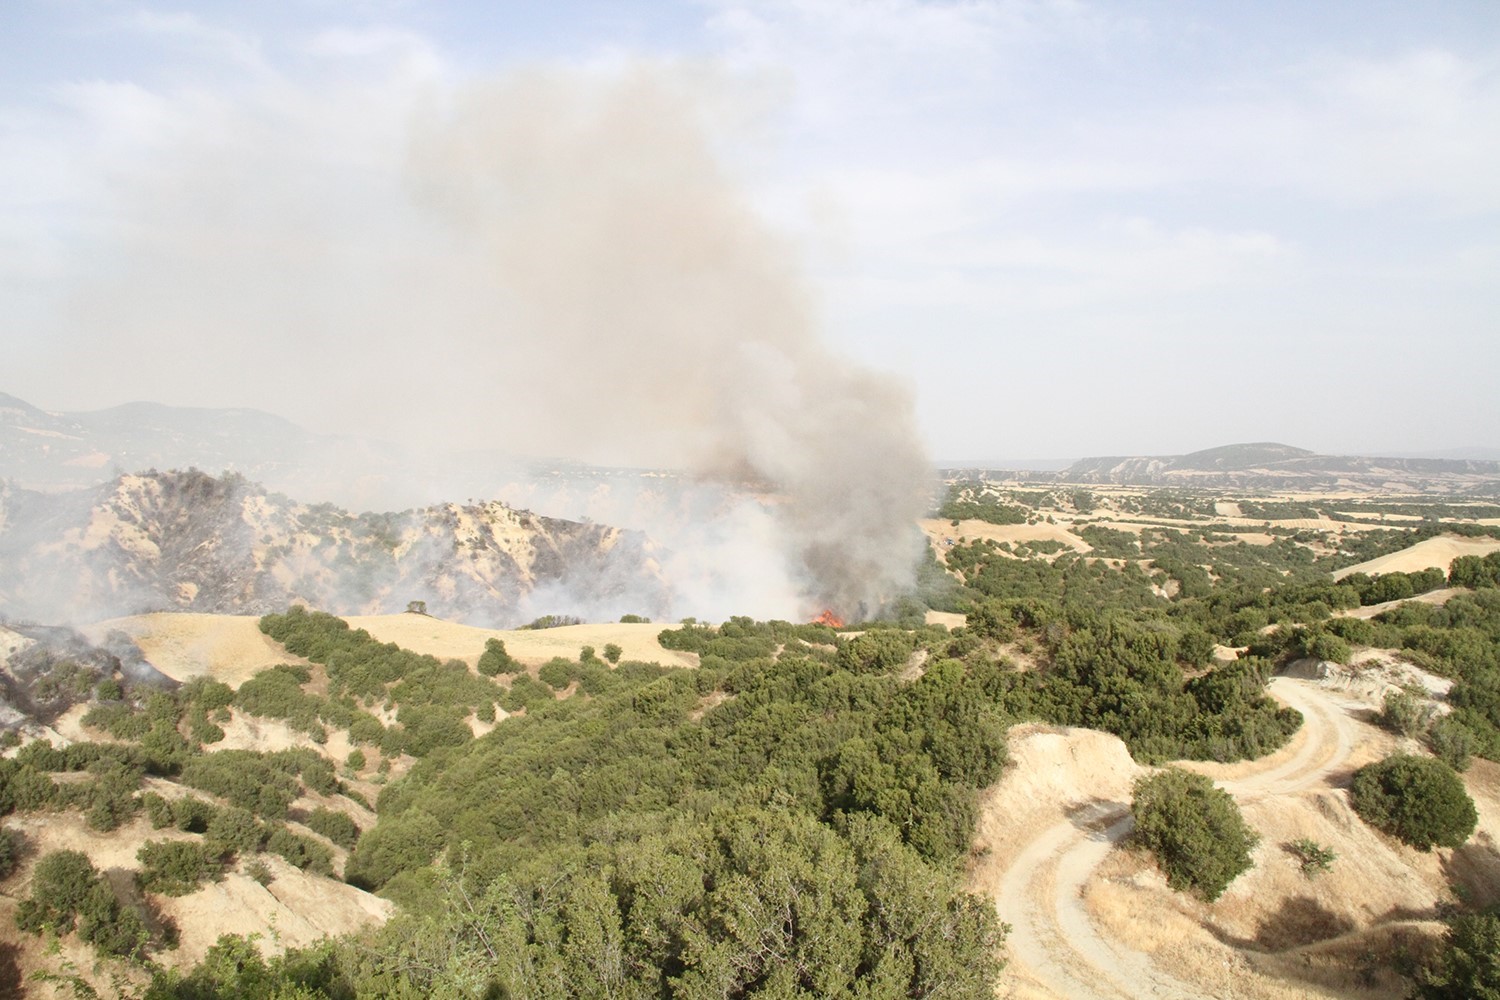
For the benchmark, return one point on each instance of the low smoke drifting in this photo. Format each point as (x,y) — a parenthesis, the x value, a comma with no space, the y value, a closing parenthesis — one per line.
(661,319)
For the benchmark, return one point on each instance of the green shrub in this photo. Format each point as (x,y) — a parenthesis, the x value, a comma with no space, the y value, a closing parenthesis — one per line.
(1405,714)
(336,826)
(12,845)
(235,831)
(557,673)
(1453,742)
(1314,857)
(192,814)
(176,867)
(1320,645)
(1468,965)
(306,854)
(1194,829)
(67,891)
(1419,800)
(525,692)
(495,660)
(158,810)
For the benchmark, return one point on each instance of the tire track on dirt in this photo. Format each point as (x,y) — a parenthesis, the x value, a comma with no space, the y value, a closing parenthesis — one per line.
(1041,893)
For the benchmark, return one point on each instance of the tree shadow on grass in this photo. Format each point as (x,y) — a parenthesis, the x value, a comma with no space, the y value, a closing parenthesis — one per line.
(1473,871)
(1301,920)
(10,971)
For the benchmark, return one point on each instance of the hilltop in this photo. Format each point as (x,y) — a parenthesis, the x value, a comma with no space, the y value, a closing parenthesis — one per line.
(188,541)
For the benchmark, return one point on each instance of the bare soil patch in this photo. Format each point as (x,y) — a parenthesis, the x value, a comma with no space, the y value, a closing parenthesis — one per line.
(1429,553)
(450,640)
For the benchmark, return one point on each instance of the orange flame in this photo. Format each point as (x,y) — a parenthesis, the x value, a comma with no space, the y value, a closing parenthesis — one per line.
(829,618)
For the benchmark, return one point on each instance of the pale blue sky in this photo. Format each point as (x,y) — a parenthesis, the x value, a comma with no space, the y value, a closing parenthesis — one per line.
(1073,228)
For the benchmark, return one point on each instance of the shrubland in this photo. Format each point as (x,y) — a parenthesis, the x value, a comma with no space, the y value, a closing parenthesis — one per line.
(792,817)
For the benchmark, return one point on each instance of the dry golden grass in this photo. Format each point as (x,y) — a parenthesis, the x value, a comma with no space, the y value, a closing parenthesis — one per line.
(1430,553)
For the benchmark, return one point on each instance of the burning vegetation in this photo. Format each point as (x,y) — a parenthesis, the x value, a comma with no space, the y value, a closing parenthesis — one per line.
(829,618)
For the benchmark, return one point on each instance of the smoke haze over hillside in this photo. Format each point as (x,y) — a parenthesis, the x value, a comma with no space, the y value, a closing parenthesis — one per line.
(672,321)
(554,263)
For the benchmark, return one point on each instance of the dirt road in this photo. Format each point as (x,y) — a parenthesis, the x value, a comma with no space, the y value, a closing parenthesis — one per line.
(1054,947)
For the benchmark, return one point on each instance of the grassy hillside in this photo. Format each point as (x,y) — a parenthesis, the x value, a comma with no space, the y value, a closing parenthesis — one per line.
(773,809)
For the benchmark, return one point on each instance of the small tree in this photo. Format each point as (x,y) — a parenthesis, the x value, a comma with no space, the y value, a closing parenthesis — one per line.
(1194,829)
(176,867)
(495,660)
(1405,714)
(1419,800)
(1468,966)
(1453,742)
(612,652)
(12,845)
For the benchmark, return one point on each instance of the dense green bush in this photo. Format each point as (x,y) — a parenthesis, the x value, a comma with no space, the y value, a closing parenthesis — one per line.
(1419,800)
(300,851)
(1468,965)
(968,501)
(235,831)
(336,826)
(177,867)
(68,892)
(12,844)
(1452,741)
(1194,829)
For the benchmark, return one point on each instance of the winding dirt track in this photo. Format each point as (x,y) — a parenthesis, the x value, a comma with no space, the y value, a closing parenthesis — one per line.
(1041,894)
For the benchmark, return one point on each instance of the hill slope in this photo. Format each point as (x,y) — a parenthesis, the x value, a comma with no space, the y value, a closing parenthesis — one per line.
(186,541)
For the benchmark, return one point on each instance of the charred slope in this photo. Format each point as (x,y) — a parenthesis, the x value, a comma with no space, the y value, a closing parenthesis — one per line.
(188,541)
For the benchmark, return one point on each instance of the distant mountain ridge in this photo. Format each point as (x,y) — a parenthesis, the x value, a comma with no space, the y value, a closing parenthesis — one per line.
(47,451)
(1269,465)
(1266,466)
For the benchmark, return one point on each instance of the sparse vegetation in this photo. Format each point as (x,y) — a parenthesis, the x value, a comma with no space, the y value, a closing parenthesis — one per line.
(1314,858)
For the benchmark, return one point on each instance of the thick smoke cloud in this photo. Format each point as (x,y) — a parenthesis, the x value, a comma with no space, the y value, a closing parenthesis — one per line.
(552,265)
(649,306)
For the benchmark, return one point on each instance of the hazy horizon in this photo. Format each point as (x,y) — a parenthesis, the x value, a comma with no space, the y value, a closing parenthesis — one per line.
(1058,229)
(1034,463)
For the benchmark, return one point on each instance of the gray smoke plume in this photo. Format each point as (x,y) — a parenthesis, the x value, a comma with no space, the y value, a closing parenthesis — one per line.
(649,312)
(554,265)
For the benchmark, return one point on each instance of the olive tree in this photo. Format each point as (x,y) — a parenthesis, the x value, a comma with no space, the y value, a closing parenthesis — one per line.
(1194,829)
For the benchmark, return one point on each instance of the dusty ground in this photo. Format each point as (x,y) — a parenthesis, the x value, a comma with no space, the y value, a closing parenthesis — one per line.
(449,640)
(1091,920)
